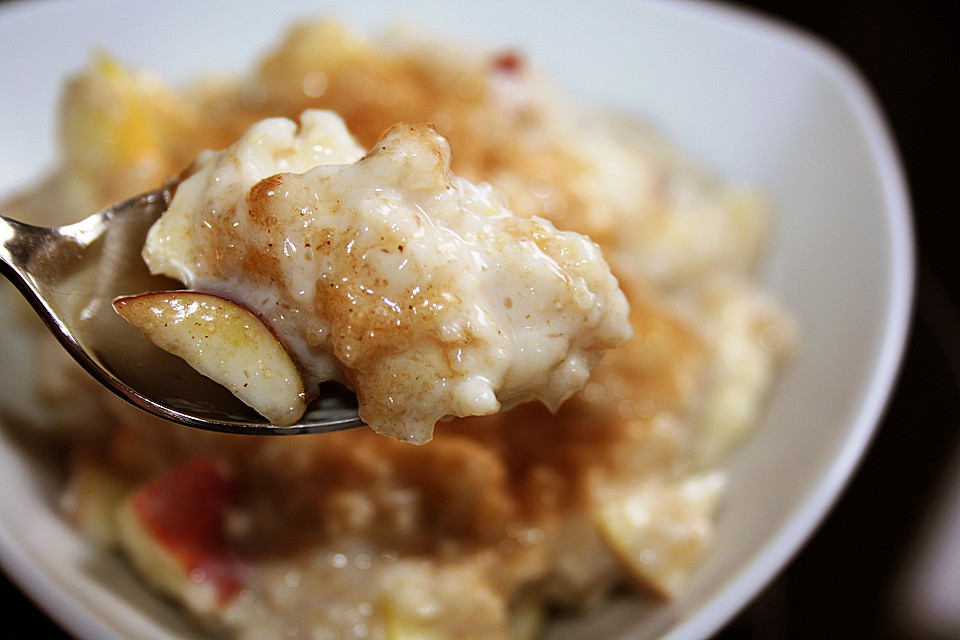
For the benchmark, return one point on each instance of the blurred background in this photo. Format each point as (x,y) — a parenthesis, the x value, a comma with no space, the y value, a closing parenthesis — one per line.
(885,564)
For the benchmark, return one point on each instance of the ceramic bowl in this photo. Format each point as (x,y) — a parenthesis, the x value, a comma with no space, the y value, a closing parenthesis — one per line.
(752,99)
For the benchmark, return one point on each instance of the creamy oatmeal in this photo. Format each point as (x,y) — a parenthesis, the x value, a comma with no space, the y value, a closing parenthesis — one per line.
(419,289)
(501,519)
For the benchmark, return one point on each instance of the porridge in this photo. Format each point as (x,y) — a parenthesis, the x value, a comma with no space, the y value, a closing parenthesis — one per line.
(419,289)
(500,519)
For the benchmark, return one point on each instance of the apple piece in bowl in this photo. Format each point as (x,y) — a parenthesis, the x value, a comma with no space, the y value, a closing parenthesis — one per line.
(659,529)
(225,342)
(173,529)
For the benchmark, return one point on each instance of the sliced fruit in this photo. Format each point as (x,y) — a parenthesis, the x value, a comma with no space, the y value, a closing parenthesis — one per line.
(407,628)
(528,617)
(173,528)
(424,600)
(660,530)
(225,342)
(92,498)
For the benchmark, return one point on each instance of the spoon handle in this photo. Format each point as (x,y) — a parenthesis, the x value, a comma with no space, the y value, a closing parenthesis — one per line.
(19,242)
(70,275)
(20,246)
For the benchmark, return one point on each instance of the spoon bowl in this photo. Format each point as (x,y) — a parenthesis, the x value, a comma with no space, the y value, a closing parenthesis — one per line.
(72,274)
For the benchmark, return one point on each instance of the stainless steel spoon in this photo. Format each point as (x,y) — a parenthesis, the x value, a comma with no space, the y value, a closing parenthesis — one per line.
(71,274)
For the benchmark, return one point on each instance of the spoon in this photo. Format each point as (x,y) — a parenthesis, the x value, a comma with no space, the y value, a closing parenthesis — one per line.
(71,275)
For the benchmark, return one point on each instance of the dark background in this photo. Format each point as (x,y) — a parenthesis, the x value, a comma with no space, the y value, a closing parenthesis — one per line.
(844,583)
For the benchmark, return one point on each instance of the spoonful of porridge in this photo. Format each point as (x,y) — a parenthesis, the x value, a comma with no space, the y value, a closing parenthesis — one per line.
(318,287)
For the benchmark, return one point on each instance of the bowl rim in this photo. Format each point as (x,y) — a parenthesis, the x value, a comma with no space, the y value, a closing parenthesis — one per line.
(898,215)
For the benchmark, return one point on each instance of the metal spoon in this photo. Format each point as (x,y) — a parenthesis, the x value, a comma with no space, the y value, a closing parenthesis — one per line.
(72,274)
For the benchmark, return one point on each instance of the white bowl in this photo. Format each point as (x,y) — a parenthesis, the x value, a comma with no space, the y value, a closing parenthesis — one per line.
(748,97)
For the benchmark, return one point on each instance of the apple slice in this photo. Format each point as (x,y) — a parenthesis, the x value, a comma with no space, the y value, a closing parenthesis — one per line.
(660,529)
(424,600)
(225,342)
(93,495)
(398,627)
(528,617)
(173,531)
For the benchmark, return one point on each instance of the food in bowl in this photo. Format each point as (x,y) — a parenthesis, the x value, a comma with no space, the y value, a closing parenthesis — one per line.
(499,519)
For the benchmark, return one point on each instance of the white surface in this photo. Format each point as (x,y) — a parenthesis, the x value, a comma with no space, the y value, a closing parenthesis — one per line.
(748,97)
